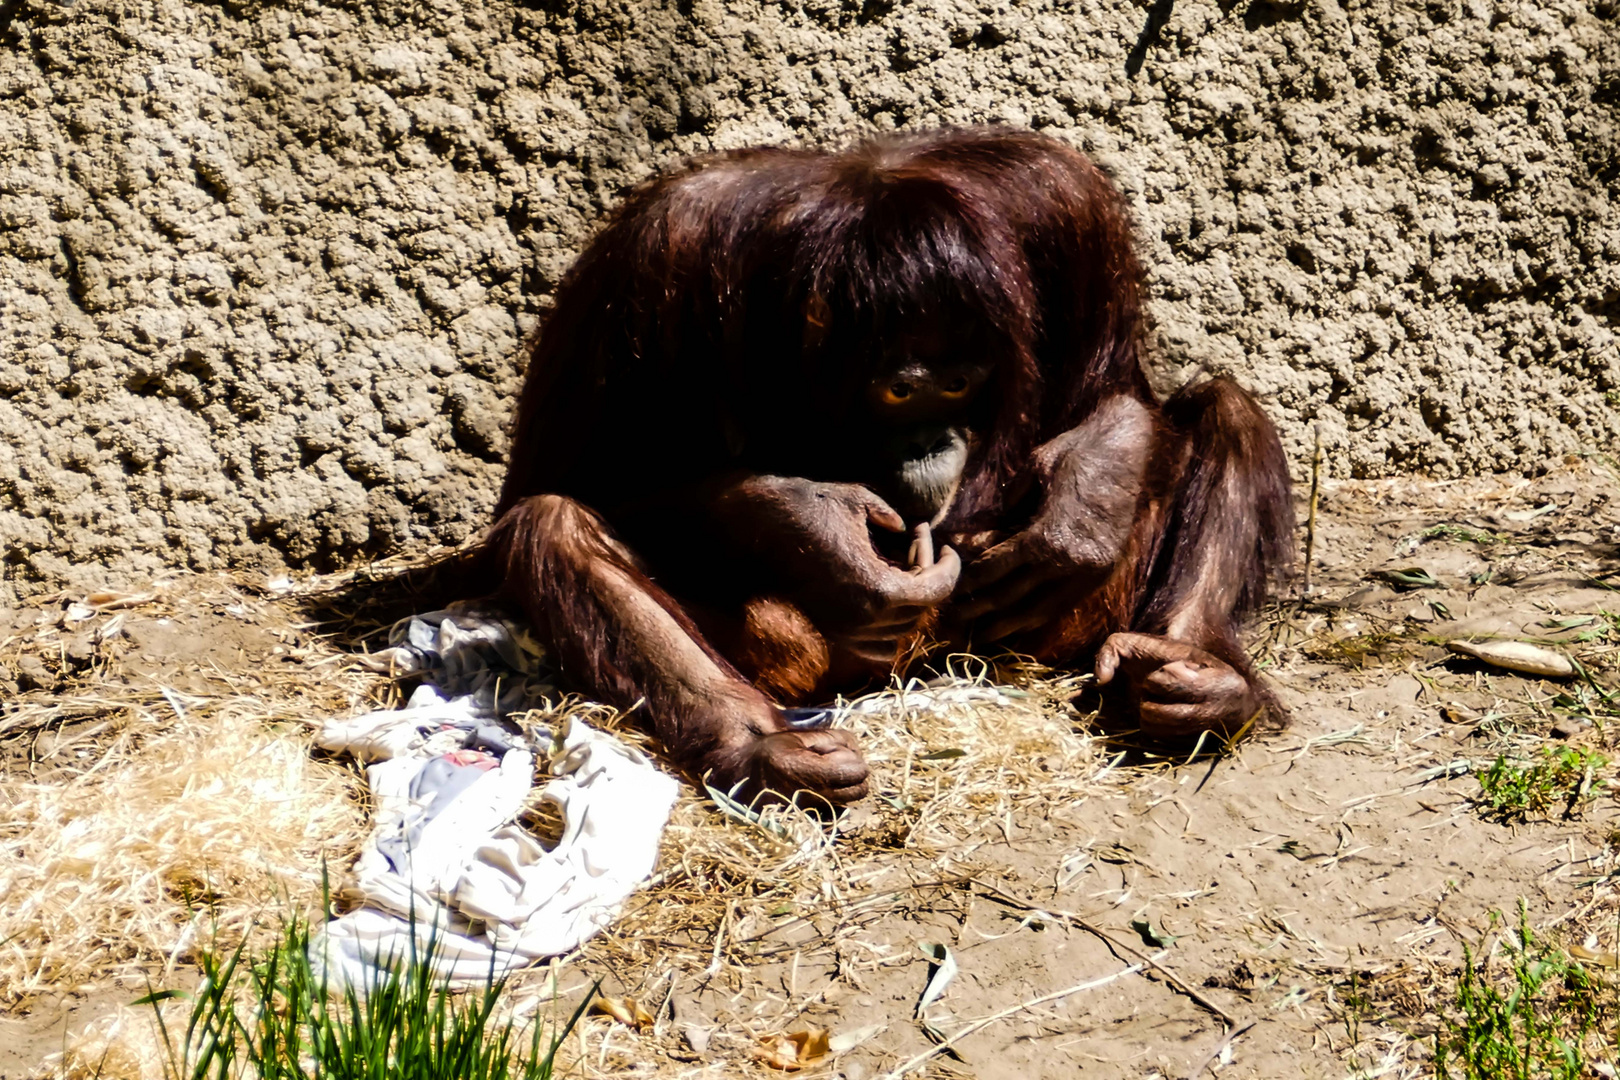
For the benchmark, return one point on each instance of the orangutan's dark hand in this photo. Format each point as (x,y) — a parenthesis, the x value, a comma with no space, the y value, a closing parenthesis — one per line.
(1175,690)
(817,539)
(1090,483)
(824,764)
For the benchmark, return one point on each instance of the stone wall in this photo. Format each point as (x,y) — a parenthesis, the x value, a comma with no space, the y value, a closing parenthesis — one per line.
(264,267)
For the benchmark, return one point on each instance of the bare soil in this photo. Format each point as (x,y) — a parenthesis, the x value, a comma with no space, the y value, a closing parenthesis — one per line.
(1343,860)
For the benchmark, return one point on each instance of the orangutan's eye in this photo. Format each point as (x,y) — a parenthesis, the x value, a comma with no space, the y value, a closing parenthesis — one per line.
(897,393)
(957,386)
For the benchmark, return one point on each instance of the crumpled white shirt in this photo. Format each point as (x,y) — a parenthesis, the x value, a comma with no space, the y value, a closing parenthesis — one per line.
(448,876)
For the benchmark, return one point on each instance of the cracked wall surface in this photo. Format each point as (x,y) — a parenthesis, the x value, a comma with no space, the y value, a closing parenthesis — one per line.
(264,267)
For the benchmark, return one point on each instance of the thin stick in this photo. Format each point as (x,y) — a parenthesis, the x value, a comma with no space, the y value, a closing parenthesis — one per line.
(1099,932)
(922,546)
(941,1047)
(856,907)
(1310,520)
(719,944)
(1215,1053)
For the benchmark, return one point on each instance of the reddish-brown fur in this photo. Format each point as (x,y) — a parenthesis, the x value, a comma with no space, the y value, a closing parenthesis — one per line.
(724,323)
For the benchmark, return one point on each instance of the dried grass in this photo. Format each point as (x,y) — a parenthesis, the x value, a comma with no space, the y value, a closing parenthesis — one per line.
(172,811)
(211,818)
(127,1044)
(175,814)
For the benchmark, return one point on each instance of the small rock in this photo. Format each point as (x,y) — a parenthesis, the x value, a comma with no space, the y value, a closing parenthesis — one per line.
(1367,596)
(32,674)
(80,650)
(1567,728)
(696,1037)
(1420,613)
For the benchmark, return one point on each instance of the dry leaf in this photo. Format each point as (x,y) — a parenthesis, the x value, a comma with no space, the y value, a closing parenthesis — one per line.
(1529,515)
(1515,656)
(944,972)
(845,1041)
(627,1011)
(110,601)
(1593,956)
(1459,714)
(794,1050)
(97,602)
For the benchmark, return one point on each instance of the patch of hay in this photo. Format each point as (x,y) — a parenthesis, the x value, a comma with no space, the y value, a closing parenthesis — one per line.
(125,1045)
(203,815)
(187,827)
(963,753)
(162,816)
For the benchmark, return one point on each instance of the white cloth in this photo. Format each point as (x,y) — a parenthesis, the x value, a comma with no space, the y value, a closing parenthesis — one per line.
(446,863)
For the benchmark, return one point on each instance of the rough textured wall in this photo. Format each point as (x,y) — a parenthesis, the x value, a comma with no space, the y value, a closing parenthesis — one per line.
(263,267)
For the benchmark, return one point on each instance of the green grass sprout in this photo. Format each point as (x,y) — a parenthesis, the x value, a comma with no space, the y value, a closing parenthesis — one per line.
(1531,1025)
(268,1016)
(1517,789)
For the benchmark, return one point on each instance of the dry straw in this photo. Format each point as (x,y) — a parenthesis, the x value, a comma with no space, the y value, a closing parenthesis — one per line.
(195,818)
(159,811)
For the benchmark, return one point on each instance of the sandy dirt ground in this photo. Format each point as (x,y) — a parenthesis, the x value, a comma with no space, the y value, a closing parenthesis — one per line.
(1312,890)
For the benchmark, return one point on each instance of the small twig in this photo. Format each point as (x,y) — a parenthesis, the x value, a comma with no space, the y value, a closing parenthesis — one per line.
(1310,519)
(1215,1053)
(719,944)
(980,1025)
(854,907)
(922,546)
(1096,931)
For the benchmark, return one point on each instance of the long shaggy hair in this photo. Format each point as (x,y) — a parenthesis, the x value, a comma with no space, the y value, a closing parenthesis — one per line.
(729,315)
